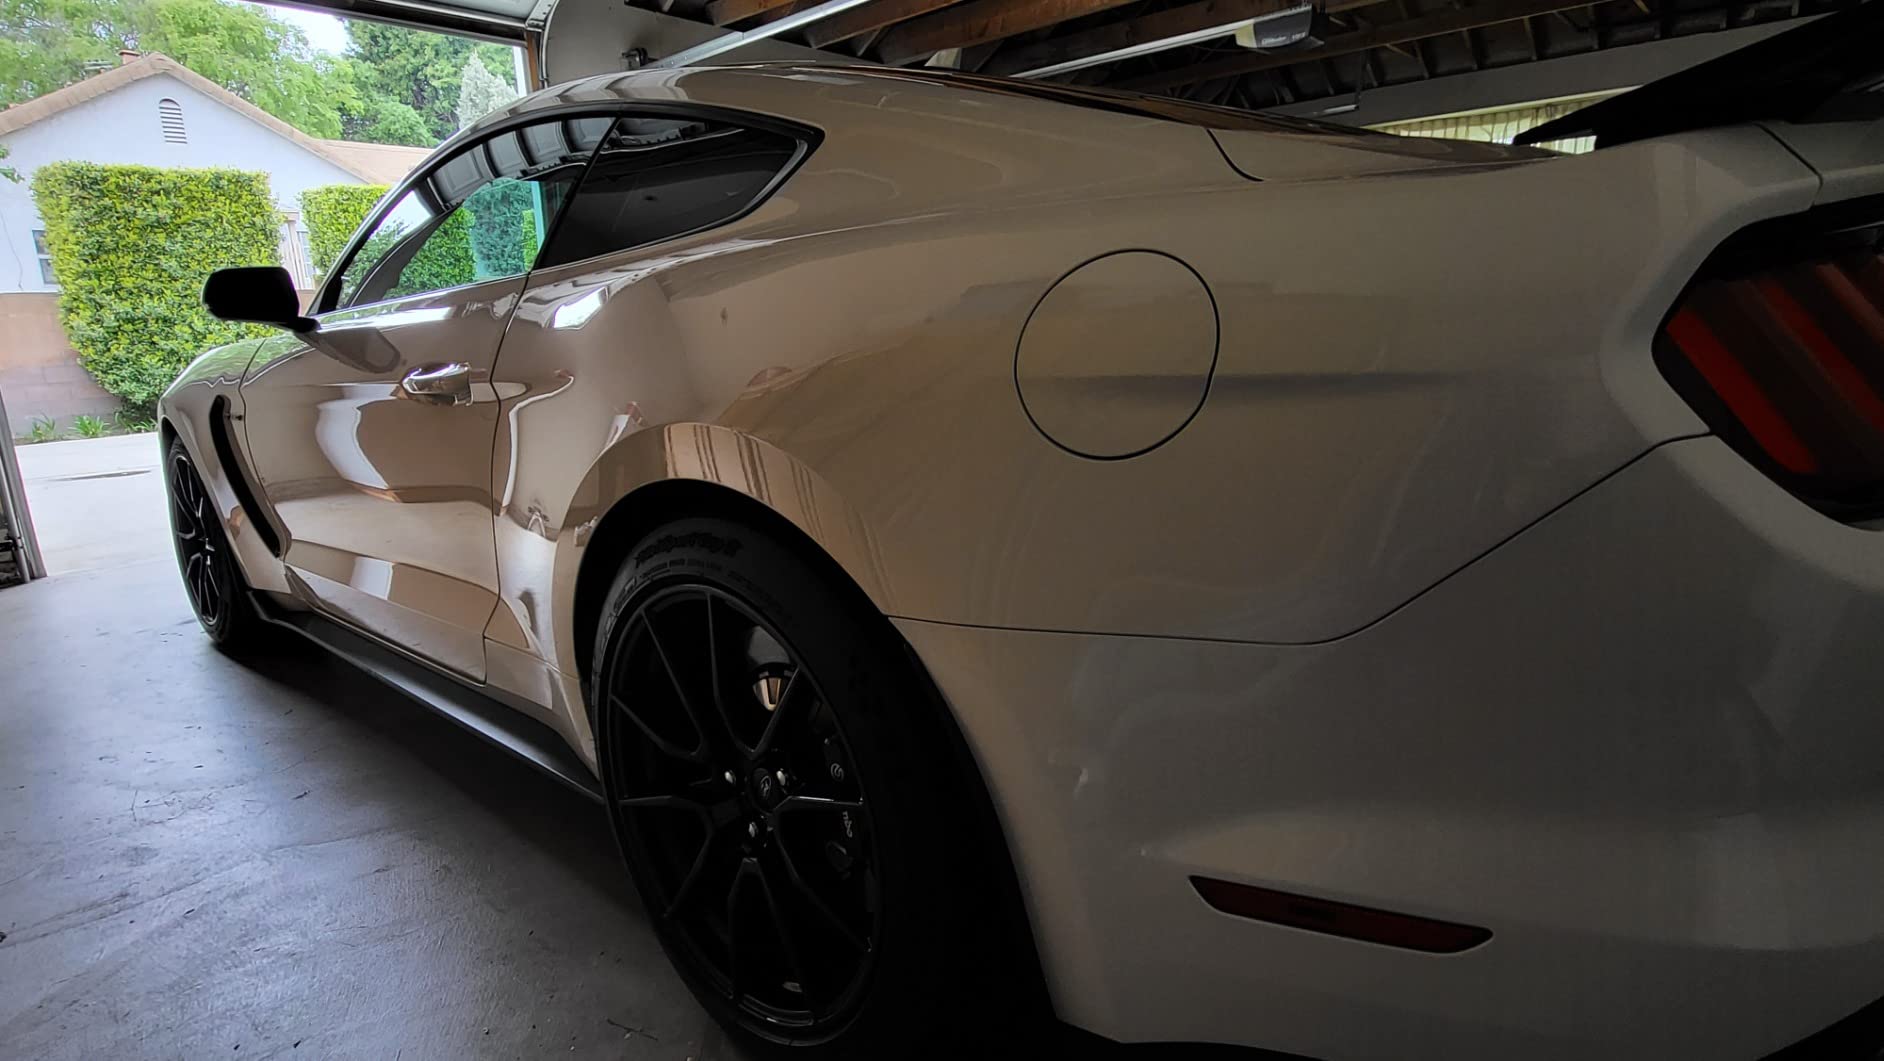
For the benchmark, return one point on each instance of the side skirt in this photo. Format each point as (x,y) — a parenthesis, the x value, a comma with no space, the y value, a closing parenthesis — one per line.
(475,710)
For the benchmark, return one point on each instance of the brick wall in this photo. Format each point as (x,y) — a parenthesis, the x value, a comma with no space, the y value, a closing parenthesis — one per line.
(39,373)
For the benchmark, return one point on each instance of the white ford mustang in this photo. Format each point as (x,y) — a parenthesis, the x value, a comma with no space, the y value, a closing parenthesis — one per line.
(1230,579)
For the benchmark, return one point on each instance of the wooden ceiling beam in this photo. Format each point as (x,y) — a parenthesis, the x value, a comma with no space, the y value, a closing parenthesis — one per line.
(1162,25)
(1417,29)
(866,18)
(726,12)
(978,22)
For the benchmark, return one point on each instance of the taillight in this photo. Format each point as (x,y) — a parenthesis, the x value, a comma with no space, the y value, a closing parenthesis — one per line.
(1778,343)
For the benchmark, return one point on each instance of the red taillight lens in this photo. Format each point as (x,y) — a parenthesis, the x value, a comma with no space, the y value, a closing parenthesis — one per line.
(1779,345)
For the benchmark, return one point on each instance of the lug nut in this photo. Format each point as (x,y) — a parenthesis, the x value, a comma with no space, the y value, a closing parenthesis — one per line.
(730,779)
(781,779)
(837,771)
(752,830)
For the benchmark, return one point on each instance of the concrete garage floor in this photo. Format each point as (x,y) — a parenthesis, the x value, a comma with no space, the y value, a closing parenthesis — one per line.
(281,857)
(205,858)
(200,858)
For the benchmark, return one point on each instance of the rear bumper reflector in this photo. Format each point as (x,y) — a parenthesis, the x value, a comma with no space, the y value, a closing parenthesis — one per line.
(1339,919)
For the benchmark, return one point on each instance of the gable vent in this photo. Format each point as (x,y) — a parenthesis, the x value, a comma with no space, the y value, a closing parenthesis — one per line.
(170,113)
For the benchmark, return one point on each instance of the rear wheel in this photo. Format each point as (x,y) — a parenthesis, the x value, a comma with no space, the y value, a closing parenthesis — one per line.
(790,804)
(210,577)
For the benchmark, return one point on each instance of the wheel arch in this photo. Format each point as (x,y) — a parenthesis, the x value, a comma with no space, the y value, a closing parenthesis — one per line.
(810,518)
(661,474)
(664,501)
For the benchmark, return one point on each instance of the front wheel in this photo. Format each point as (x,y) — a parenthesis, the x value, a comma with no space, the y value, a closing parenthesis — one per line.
(791,802)
(214,584)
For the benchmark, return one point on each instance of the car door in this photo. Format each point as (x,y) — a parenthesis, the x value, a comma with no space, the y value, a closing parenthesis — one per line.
(371,436)
(596,349)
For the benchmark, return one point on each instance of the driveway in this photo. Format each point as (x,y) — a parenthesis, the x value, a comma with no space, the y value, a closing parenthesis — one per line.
(97,502)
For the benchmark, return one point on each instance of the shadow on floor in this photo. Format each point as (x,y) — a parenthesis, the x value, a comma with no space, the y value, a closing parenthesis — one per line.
(570,830)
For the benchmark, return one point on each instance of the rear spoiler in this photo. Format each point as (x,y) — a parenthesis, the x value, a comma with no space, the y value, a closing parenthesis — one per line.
(1786,77)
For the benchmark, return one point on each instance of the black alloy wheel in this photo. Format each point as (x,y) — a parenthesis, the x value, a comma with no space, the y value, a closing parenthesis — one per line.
(210,577)
(806,827)
(738,794)
(197,547)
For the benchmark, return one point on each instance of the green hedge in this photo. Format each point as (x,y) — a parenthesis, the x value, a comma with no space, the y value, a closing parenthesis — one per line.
(331,213)
(492,234)
(131,246)
(445,260)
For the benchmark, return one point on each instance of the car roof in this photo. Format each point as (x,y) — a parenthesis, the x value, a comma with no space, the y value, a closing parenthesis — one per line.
(786,78)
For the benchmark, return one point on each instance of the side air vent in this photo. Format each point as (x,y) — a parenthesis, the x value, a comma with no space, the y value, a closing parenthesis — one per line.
(1778,344)
(238,477)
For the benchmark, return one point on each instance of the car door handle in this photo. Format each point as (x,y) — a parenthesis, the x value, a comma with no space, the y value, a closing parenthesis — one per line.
(441,384)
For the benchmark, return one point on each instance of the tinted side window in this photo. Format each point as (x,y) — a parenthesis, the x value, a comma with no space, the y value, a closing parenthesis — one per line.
(657,178)
(480,215)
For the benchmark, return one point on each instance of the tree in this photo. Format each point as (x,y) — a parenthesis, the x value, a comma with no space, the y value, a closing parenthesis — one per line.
(387,121)
(369,115)
(395,85)
(422,70)
(480,91)
(46,44)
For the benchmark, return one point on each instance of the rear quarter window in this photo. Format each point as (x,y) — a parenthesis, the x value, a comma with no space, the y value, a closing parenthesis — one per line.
(658,178)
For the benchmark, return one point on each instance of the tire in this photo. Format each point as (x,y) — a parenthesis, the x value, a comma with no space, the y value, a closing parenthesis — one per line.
(808,847)
(218,594)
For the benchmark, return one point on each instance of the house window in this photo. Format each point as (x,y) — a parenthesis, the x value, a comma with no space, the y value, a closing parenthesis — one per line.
(45,257)
(170,115)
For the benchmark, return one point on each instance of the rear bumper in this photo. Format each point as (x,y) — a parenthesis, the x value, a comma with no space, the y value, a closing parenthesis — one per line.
(1642,742)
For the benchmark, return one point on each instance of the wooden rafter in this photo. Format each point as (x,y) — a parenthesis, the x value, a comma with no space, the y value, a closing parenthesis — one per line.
(726,12)
(1436,25)
(978,22)
(865,18)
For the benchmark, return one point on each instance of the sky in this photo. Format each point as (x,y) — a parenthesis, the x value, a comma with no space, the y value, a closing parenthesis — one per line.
(324,32)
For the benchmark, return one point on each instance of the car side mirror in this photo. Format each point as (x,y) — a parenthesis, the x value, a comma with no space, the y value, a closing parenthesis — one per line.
(260,294)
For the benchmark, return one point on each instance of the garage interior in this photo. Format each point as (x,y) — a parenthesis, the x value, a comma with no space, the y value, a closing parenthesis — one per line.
(281,857)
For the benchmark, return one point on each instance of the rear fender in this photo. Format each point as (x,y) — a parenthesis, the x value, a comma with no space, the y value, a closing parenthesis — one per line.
(541,563)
